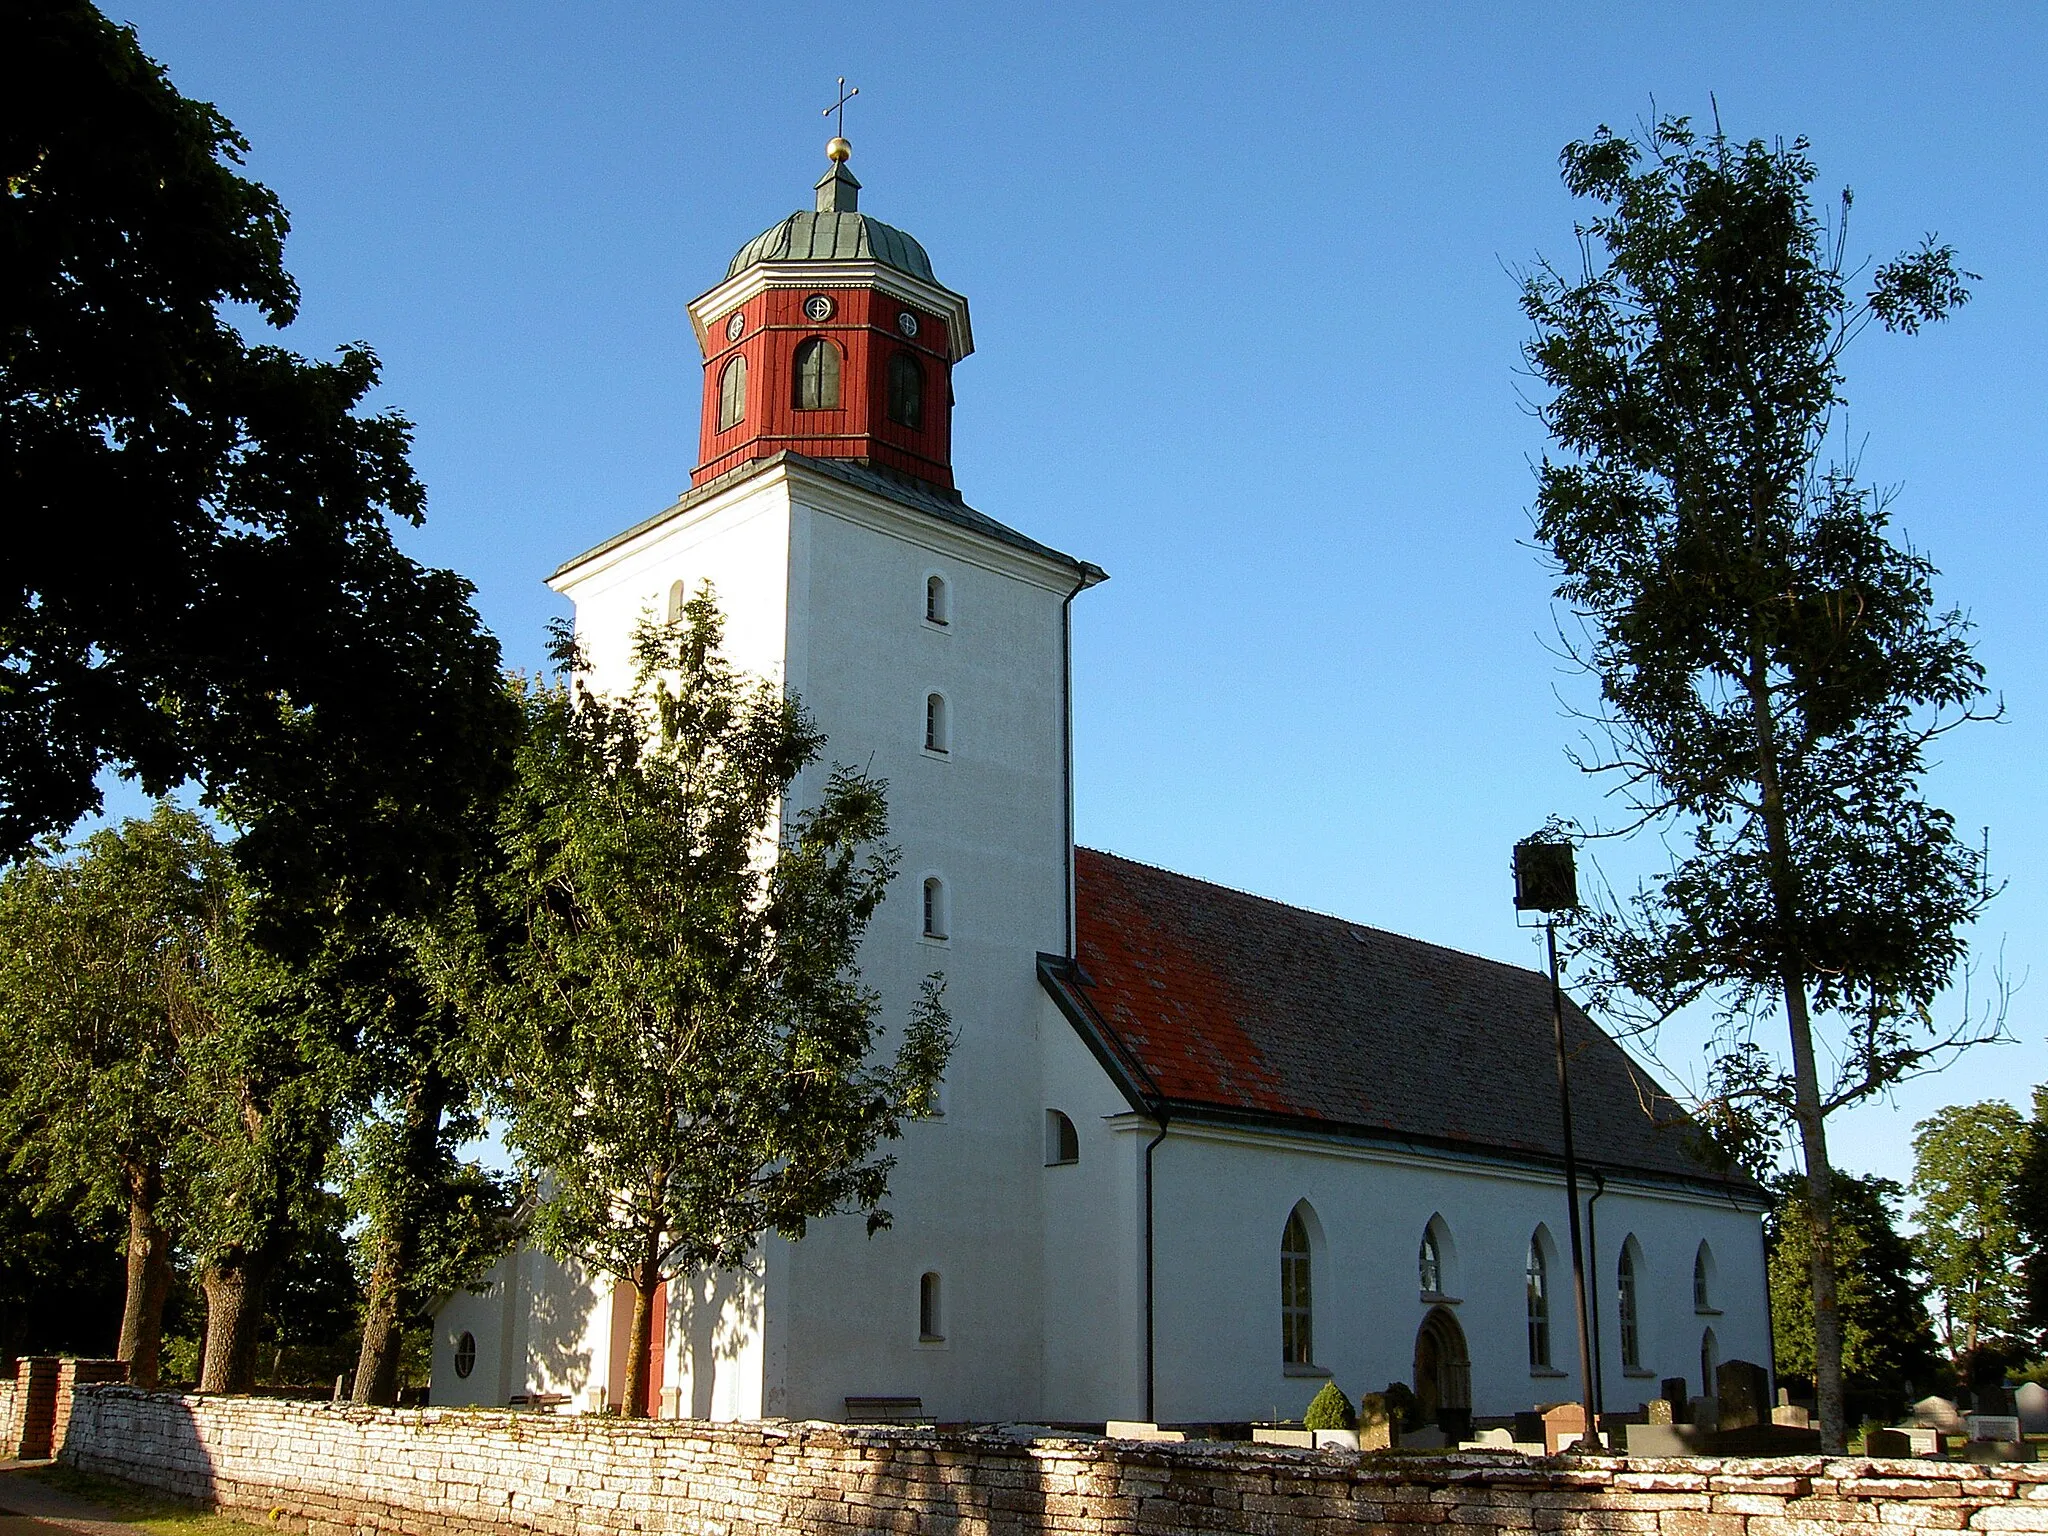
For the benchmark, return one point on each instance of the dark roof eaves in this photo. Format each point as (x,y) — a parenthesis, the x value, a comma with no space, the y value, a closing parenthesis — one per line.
(1124,1070)
(1739,1187)
(874,483)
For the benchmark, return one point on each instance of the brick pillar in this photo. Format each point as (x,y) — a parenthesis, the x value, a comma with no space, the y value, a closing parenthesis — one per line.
(72,1374)
(35,1408)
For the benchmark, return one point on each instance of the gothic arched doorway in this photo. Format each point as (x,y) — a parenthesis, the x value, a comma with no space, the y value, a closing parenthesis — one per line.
(1443,1374)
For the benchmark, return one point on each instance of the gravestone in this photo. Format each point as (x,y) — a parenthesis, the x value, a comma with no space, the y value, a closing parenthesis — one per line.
(1562,1425)
(1704,1413)
(1672,1390)
(2031,1403)
(1993,1426)
(1938,1413)
(1658,1410)
(1891,1444)
(1743,1391)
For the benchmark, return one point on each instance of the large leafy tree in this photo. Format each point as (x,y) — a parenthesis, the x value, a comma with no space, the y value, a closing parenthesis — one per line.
(272,1082)
(199,579)
(1967,1163)
(687,1044)
(433,1221)
(1771,662)
(105,992)
(1888,1347)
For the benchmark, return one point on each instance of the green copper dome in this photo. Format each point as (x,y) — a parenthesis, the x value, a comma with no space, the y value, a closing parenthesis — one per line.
(835,231)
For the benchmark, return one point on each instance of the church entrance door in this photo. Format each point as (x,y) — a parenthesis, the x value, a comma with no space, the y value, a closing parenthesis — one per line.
(1443,1374)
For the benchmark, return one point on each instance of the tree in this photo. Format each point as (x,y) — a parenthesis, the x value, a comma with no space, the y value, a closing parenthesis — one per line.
(1887,1342)
(433,1222)
(103,996)
(2030,1211)
(242,614)
(686,1037)
(270,1083)
(1967,1161)
(1770,662)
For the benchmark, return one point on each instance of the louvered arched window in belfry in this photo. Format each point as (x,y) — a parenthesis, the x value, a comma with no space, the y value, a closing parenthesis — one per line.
(732,394)
(816,385)
(906,391)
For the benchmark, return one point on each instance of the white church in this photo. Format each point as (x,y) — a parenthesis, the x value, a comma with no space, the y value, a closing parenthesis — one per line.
(1198,1152)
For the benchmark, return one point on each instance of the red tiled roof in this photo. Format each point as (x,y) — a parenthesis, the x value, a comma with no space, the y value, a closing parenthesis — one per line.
(1216,1000)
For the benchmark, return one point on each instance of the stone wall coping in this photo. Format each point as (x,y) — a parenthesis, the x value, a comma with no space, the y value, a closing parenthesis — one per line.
(1800,1476)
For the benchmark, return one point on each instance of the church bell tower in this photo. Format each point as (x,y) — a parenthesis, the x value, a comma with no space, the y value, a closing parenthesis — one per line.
(831,337)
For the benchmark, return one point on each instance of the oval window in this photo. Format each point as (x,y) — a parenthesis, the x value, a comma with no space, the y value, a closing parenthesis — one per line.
(465,1355)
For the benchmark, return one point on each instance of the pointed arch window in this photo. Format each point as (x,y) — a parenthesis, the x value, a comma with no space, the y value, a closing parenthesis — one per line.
(815,386)
(1626,1310)
(1429,1262)
(1703,1280)
(732,394)
(1537,1278)
(1297,1301)
(905,403)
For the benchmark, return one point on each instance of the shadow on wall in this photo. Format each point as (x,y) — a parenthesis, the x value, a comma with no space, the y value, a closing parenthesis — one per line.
(710,1317)
(557,1329)
(535,1473)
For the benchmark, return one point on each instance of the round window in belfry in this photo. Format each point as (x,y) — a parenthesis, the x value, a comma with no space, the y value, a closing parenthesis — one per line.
(465,1354)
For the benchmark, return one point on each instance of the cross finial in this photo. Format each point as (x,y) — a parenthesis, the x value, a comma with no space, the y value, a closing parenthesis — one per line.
(839,108)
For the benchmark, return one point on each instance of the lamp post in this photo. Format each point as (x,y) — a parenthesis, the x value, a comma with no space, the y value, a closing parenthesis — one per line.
(1547,882)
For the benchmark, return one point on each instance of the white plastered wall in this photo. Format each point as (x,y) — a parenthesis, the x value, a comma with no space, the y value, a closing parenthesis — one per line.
(988,819)
(1093,1239)
(1222,1199)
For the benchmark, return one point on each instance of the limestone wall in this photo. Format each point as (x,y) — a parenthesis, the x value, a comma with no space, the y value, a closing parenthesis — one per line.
(465,1472)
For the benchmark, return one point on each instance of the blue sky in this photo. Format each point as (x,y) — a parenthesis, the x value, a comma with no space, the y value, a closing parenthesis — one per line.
(1242,292)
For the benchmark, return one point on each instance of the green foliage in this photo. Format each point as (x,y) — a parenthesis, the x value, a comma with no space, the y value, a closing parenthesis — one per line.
(1888,1344)
(61,1278)
(684,1035)
(2030,1210)
(1771,664)
(105,978)
(243,615)
(1330,1409)
(1967,1164)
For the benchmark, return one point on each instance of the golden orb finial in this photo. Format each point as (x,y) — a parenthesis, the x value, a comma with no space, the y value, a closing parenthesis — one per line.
(838,150)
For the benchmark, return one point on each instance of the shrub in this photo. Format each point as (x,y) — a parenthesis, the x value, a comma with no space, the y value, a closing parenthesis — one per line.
(1330,1410)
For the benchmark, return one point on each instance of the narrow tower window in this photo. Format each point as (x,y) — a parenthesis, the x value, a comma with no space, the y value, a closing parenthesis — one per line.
(732,394)
(1297,1303)
(930,1320)
(906,391)
(1539,1307)
(937,608)
(1062,1141)
(816,386)
(1429,1263)
(937,738)
(676,599)
(935,916)
(1703,1280)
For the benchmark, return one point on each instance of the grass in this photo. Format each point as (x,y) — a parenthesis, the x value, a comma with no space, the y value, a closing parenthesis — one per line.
(156,1513)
